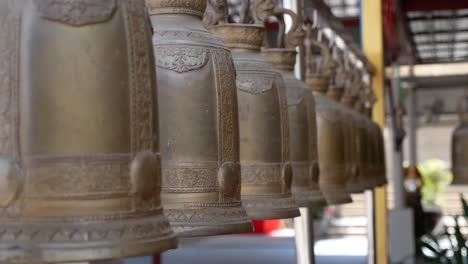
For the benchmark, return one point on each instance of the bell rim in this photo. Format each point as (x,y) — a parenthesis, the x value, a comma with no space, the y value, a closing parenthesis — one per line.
(234,218)
(355,188)
(67,252)
(269,214)
(91,244)
(308,199)
(138,248)
(199,230)
(337,197)
(265,207)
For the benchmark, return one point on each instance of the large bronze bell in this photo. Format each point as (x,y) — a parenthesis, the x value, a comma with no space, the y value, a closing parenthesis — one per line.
(330,130)
(79,164)
(377,143)
(367,177)
(460,144)
(381,159)
(336,91)
(373,151)
(355,183)
(302,117)
(198,123)
(380,171)
(370,164)
(264,130)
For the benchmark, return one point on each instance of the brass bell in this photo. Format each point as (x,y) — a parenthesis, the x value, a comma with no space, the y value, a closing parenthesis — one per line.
(355,183)
(377,143)
(198,123)
(367,177)
(372,138)
(330,130)
(460,144)
(381,161)
(337,91)
(380,173)
(79,161)
(264,130)
(302,117)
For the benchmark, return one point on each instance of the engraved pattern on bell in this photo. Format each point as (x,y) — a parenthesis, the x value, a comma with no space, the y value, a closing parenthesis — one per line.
(302,130)
(264,130)
(199,128)
(79,163)
(76,12)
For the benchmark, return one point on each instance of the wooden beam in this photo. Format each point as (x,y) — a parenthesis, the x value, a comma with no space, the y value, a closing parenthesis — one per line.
(372,40)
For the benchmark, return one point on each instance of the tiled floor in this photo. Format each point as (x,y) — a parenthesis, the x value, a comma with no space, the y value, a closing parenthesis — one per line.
(260,250)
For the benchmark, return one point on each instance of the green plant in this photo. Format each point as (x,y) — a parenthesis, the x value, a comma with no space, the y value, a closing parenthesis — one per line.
(456,252)
(436,175)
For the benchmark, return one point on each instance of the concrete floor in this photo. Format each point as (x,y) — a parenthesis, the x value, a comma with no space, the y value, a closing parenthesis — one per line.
(253,249)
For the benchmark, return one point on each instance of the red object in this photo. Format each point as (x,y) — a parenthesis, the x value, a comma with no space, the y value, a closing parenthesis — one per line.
(351,22)
(271,25)
(157,259)
(432,5)
(390,27)
(267,226)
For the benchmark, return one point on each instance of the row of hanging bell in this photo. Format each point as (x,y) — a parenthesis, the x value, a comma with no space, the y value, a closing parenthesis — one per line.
(263,118)
(460,144)
(80,173)
(360,177)
(351,154)
(330,122)
(81,178)
(79,155)
(301,114)
(199,129)
(377,147)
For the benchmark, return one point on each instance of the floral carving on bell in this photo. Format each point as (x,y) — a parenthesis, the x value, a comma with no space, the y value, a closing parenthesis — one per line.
(199,128)
(79,160)
(301,115)
(76,12)
(254,85)
(264,132)
(182,59)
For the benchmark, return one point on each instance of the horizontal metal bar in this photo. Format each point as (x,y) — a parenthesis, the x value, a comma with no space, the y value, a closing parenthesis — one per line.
(458,30)
(436,17)
(440,42)
(444,60)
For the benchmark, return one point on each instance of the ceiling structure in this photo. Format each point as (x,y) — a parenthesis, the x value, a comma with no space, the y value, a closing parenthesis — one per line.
(438,29)
(348,11)
(344,8)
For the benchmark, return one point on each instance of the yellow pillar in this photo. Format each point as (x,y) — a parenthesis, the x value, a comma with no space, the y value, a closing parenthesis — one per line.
(372,41)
